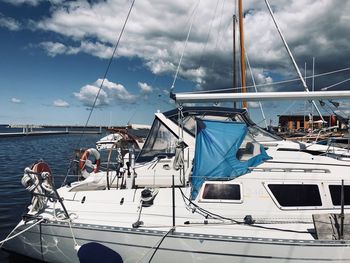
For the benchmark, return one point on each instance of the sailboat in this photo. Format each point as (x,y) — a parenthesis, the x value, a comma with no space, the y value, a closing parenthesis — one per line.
(202,189)
(237,202)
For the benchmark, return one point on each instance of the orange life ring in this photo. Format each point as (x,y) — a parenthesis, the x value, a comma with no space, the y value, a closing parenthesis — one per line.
(86,155)
(42,167)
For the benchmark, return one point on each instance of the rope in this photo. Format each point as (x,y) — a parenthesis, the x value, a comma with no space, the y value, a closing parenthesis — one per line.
(156,246)
(76,246)
(160,242)
(9,237)
(216,216)
(19,233)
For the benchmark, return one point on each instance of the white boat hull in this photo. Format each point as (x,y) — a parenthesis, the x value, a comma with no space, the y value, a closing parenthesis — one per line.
(208,228)
(138,245)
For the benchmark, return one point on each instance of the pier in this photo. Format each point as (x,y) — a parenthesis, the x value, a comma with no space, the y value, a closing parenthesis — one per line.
(41,130)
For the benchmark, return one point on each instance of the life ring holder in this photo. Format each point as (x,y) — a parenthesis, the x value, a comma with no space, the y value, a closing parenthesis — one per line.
(85,156)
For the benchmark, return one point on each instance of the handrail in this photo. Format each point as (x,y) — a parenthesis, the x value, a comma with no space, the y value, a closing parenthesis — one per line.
(289,170)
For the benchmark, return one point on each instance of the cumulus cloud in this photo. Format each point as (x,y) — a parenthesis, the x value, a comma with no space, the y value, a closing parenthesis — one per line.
(262,79)
(109,92)
(9,23)
(60,103)
(54,49)
(157,30)
(88,93)
(96,49)
(117,91)
(21,2)
(31,2)
(145,88)
(15,100)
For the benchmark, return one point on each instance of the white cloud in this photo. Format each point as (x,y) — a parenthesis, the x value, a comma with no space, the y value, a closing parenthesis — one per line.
(116,91)
(145,88)
(88,93)
(110,92)
(263,80)
(21,2)
(157,30)
(96,49)
(9,23)
(15,100)
(54,49)
(253,104)
(60,103)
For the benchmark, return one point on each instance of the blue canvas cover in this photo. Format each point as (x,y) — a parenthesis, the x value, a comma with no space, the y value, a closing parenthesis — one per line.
(217,144)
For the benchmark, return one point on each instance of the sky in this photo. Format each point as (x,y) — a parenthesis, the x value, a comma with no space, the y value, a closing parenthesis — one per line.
(54,55)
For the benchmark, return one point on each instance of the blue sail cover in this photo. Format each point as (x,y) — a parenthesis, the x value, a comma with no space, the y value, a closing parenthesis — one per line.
(217,144)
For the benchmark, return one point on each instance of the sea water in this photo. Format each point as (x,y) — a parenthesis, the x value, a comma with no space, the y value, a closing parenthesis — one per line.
(20,152)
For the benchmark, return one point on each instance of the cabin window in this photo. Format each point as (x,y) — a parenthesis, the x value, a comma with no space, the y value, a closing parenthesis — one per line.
(261,135)
(296,195)
(221,192)
(335,191)
(160,142)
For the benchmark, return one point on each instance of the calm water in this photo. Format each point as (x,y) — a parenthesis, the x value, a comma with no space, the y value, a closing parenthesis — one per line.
(18,153)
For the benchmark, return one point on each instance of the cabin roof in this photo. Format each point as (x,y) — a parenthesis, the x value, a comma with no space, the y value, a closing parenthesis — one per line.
(210,110)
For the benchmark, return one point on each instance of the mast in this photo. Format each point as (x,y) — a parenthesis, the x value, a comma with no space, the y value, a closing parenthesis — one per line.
(234,57)
(241,38)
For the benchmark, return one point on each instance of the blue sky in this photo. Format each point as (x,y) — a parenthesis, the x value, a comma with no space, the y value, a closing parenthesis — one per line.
(53,55)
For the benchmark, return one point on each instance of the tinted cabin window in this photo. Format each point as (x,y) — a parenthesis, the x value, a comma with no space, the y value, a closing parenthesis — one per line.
(160,141)
(222,192)
(336,192)
(296,194)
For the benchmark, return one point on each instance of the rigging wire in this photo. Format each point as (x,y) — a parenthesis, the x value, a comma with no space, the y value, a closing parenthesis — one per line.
(330,111)
(183,51)
(336,84)
(285,111)
(267,85)
(256,90)
(292,57)
(338,110)
(102,82)
(220,32)
(108,66)
(208,35)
